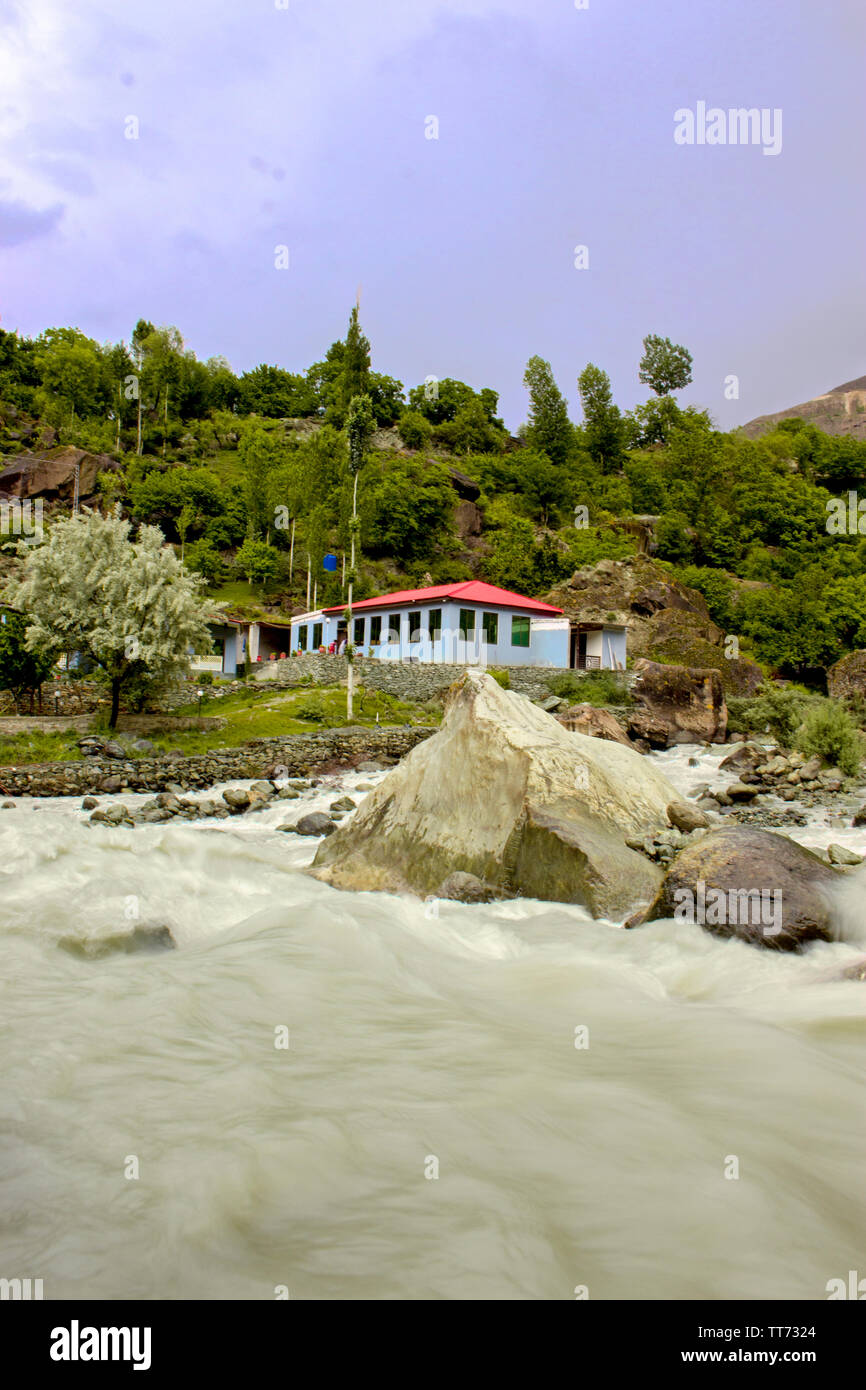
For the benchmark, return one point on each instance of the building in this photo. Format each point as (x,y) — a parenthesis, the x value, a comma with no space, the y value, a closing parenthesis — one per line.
(468,622)
(237,641)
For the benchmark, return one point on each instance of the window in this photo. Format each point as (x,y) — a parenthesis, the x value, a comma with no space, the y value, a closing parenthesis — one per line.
(375,630)
(519,632)
(435,621)
(393,627)
(467,624)
(414,627)
(490,626)
(303,634)
(317,636)
(359,632)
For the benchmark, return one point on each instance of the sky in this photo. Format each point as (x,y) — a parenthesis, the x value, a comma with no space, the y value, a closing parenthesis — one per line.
(153,158)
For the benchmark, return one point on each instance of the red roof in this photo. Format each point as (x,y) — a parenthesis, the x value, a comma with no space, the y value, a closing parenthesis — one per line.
(472,590)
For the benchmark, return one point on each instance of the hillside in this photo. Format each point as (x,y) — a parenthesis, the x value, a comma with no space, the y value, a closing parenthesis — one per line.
(714,545)
(841,411)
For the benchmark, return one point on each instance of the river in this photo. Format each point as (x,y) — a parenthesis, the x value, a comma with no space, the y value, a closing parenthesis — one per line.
(432,1130)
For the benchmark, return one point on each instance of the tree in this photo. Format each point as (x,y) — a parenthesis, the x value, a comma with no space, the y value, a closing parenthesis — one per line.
(549,426)
(72,370)
(665,366)
(359,430)
(259,562)
(603,424)
(21,671)
(128,605)
(259,454)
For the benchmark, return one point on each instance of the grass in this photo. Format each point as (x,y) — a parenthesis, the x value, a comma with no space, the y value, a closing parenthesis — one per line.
(248,714)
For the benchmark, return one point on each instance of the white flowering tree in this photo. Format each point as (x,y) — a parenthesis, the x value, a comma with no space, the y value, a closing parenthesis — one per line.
(128,605)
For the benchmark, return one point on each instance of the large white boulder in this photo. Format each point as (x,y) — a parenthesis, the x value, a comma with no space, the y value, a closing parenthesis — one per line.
(504,792)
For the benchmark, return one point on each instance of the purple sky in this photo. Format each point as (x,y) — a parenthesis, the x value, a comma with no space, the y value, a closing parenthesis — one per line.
(305,126)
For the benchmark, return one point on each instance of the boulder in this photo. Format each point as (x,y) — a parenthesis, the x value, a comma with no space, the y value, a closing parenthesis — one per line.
(138,938)
(648,731)
(51,473)
(848,676)
(464,888)
(316,823)
(687,817)
(744,756)
(666,621)
(504,792)
(343,803)
(752,884)
(689,701)
(237,800)
(595,723)
(838,854)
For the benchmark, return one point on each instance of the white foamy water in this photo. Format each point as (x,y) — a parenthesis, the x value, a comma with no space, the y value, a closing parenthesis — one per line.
(413,1038)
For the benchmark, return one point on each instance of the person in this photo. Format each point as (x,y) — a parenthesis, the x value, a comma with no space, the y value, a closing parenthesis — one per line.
(333,647)
(342,647)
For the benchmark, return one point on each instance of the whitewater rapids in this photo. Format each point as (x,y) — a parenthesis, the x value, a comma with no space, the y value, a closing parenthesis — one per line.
(422,1038)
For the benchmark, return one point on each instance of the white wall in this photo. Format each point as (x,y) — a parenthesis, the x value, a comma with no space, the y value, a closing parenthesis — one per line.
(548,637)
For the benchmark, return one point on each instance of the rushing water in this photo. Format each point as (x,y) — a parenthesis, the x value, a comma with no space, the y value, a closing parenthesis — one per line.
(415,1040)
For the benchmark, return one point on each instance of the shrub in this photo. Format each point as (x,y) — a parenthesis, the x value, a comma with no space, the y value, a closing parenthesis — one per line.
(595,688)
(501,677)
(415,431)
(774,709)
(311,710)
(829,731)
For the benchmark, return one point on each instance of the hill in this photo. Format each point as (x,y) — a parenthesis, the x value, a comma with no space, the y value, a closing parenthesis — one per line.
(839,411)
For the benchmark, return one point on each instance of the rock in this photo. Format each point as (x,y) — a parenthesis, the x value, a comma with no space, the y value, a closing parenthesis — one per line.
(140,938)
(89,803)
(261,791)
(465,888)
(838,854)
(10,805)
(740,791)
(857,971)
(709,803)
(848,676)
(687,817)
(809,771)
(666,621)
(110,785)
(237,800)
(744,756)
(370,766)
(504,792)
(860,817)
(648,731)
(689,701)
(550,704)
(365,787)
(143,745)
(344,803)
(287,794)
(596,723)
(51,473)
(113,750)
(315,823)
(167,801)
(736,862)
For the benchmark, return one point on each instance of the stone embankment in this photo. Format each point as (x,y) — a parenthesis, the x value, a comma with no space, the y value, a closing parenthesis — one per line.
(297,754)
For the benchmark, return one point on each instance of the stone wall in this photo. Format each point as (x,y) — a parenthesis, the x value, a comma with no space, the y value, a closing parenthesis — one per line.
(298,754)
(407,680)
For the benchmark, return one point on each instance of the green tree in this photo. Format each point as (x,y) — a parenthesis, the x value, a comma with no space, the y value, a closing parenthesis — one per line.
(259,454)
(603,424)
(665,366)
(549,426)
(359,430)
(127,605)
(21,670)
(258,561)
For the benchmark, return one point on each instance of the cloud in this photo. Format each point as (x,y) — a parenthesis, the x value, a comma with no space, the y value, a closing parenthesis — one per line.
(20,223)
